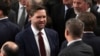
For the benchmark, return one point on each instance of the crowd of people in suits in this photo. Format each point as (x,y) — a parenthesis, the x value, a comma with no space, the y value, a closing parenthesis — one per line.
(50,28)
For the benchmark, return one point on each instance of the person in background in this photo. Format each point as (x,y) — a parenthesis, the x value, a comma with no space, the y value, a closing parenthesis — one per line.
(59,15)
(89,37)
(8,30)
(21,9)
(9,48)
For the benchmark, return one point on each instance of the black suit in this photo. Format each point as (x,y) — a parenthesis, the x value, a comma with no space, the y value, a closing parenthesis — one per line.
(97,28)
(90,39)
(57,16)
(12,16)
(15,7)
(93,41)
(77,48)
(94,11)
(8,31)
(28,46)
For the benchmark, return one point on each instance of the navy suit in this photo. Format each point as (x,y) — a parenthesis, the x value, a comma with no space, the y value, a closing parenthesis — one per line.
(28,46)
(15,8)
(8,31)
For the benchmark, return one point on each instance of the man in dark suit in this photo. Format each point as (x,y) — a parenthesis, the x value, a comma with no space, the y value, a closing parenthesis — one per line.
(59,14)
(8,30)
(96,11)
(89,37)
(28,39)
(19,7)
(73,33)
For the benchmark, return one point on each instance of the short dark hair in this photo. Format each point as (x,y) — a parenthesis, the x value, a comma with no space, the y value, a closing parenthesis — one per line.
(4,8)
(75,27)
(88,19)
(35,8)
(8,51)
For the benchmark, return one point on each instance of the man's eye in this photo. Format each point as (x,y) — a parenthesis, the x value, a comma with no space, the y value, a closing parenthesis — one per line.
(44,16)
(39,17)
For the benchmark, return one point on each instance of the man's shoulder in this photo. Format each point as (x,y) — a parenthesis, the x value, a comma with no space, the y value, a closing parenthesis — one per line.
(50,30)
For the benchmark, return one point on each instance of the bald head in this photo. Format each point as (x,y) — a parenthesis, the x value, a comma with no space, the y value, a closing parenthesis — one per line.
(9,49)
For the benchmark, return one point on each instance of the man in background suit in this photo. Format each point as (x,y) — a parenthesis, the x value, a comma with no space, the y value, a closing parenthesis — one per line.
(9,48)
(96,11)
(81,6)
(8,30)
(89,37)
(28,39)
(18,8)
(73,33)
(59,14)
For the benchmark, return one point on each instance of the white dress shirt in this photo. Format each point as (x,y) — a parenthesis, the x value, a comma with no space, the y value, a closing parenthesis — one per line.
(66,8)
(98,10)
(20,12)
(3,18)
(69,43)
(45,39)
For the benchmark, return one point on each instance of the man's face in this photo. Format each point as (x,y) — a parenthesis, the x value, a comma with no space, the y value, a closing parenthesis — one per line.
(39,19)
(66,2)
(23,2)
(80,5)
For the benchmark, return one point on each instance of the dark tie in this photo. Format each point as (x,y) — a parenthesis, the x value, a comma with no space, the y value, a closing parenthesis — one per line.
(41,44)
(22,18)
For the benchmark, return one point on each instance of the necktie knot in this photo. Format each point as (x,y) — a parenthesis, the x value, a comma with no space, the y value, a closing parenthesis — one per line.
(40,33)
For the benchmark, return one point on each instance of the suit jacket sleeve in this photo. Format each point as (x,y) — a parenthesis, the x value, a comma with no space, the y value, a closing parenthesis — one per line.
(19,41)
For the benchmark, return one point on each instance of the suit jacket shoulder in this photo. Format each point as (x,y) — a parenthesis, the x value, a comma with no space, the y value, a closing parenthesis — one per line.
(77,49)
(92,40)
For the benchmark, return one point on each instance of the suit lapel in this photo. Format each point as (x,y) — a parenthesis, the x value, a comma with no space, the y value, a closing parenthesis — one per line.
(50,41)
(33,44)
(17,8)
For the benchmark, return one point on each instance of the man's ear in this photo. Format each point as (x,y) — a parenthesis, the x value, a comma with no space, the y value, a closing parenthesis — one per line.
(66,33)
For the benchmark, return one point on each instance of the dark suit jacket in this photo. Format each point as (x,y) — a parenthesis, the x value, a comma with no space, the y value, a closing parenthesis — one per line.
(97,28)
(8,31)
(77,49)
(28,46)
(12,16)
(93,41)
(90,39)
(15,7)
(57,16)
(94,11)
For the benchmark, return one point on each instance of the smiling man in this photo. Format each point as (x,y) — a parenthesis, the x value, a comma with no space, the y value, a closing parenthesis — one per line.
(37,40)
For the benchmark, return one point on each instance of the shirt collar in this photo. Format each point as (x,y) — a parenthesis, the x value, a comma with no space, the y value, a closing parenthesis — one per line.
(69,43)
(35,31)
(21,6)
(88,32)
(3,18)
(88,10)
(66,8)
